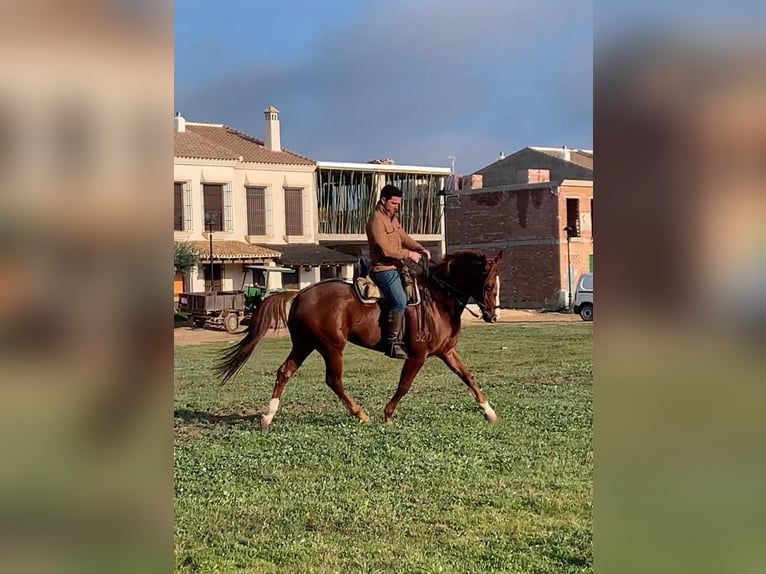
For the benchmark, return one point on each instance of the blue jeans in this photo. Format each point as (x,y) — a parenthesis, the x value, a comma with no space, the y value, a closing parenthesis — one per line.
(390,285)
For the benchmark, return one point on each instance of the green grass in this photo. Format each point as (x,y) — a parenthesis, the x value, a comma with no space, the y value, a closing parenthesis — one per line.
(438,491)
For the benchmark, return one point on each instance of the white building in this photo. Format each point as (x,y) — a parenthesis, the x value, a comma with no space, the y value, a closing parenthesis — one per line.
(264,204)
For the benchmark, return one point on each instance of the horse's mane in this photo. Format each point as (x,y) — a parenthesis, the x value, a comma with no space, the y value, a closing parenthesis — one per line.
(444,269)
(458,259)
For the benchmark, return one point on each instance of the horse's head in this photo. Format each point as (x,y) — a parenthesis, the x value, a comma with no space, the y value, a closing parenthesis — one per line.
(476,275)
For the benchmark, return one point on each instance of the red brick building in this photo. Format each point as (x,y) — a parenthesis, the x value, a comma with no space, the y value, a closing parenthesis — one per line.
(522,204)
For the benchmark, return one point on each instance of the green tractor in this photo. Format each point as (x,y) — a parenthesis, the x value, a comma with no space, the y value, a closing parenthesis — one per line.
(255,290)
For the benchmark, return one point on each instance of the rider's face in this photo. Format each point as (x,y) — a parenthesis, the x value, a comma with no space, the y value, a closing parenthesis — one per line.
(392,205)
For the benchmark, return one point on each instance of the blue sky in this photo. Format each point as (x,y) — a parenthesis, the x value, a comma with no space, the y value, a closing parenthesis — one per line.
(412,80)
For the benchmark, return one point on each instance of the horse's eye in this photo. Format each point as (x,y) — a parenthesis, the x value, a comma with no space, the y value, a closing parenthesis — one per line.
(487,288)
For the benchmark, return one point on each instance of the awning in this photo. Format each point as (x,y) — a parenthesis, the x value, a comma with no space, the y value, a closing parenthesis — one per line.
(234,250)
(312,254)
(270,268)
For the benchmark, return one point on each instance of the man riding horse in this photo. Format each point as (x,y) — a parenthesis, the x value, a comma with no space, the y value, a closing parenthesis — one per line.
(390,247)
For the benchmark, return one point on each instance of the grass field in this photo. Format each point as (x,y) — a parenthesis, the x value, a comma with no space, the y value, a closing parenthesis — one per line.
(438,491)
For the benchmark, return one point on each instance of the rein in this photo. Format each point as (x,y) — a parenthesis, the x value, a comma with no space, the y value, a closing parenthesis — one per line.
(462,298)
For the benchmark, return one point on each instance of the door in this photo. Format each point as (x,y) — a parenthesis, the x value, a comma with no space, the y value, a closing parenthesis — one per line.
(216,276)
(178,285)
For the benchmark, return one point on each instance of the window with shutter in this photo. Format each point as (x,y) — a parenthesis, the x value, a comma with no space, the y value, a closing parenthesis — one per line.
(178,206)
(187,207)
(228,208)
(293,211)
(213,199)
(256,210)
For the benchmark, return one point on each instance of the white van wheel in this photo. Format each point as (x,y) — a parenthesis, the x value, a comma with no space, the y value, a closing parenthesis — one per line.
(586,312)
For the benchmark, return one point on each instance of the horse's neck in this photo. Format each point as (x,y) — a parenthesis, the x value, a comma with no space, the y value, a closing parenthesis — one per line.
(447,303)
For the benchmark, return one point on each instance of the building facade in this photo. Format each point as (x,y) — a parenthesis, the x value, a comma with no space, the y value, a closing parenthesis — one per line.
(348,192)
(247,195)
(240,200)
(536,205)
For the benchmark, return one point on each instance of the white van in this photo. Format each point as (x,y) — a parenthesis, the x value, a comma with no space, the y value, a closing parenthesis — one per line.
(583,299)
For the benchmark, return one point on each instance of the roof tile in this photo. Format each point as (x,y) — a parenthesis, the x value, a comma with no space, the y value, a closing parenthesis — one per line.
(192,145)
(211,141)
(234,250)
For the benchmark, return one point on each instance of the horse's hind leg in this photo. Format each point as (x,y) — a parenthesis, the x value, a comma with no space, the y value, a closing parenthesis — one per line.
(286,370)
(333,360)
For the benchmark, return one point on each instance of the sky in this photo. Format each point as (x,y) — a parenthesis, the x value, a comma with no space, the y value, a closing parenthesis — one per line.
(415,81)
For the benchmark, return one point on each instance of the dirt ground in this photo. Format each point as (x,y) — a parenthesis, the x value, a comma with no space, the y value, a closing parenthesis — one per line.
(184,335)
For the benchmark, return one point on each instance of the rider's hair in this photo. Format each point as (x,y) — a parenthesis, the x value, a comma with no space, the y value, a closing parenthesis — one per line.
(390,191)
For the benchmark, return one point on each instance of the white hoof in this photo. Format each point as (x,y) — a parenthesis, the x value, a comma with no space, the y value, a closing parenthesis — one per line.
(489,412)
(266,419)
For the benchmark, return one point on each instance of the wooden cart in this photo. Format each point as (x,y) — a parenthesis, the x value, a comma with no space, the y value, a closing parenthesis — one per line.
(228,309)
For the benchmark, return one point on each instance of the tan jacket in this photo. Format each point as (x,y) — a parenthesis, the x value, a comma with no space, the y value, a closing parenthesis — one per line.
(389,244)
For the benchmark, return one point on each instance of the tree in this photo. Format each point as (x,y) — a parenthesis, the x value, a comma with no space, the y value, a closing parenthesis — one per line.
(185,256)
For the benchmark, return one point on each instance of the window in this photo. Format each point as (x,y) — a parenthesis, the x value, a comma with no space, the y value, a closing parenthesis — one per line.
(256,210)
(182,208)
(290,280)
(178,206)
(293,211)
(329,272)
(213,199)
(219,210)
(573,216)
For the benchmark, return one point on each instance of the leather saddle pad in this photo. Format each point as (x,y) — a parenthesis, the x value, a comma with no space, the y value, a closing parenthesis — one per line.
(368,292)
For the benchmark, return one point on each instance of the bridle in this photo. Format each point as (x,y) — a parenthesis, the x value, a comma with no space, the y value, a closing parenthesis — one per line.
(462,297)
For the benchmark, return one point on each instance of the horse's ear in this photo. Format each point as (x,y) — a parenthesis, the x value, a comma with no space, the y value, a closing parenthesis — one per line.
(447,260)
(490,263)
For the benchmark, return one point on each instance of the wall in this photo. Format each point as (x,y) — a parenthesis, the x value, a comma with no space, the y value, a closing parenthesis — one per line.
(528,225)
(580,248)
(240,175)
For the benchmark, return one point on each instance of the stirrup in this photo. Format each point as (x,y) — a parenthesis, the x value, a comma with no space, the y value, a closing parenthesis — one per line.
(396,351)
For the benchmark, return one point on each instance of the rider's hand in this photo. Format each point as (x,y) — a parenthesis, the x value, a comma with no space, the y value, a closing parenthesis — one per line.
(415,256)
(426,253)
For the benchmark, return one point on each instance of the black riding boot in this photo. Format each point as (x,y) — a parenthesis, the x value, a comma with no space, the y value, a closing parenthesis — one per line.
(395,346)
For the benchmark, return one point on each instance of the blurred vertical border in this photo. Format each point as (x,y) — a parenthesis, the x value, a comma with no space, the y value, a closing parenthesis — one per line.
(680,128)
(86,101)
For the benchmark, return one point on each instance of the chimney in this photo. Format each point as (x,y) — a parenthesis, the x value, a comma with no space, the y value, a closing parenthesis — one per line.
(533,175)
(565,155)
(271,129)
(179,123)
(473,181)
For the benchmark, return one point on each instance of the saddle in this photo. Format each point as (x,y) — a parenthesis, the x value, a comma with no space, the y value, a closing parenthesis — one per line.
(368,292)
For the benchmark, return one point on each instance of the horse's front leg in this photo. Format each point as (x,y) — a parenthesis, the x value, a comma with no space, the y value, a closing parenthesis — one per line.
(456,366)
(409,371)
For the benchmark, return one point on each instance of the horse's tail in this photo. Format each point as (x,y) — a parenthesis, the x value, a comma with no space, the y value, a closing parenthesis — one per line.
(270,314)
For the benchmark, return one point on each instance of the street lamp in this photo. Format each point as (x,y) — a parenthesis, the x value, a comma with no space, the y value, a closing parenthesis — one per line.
(569,231)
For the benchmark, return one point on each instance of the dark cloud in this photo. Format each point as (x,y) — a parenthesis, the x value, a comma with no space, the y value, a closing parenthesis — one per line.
(418,81)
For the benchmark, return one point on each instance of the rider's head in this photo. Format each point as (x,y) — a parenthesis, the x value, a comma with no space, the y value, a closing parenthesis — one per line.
(391,198)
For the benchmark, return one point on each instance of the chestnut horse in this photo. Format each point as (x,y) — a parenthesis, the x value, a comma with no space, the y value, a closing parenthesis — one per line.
(326,315)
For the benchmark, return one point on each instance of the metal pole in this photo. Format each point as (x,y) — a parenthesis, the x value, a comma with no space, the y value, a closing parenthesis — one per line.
(210,237)
(569,273)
